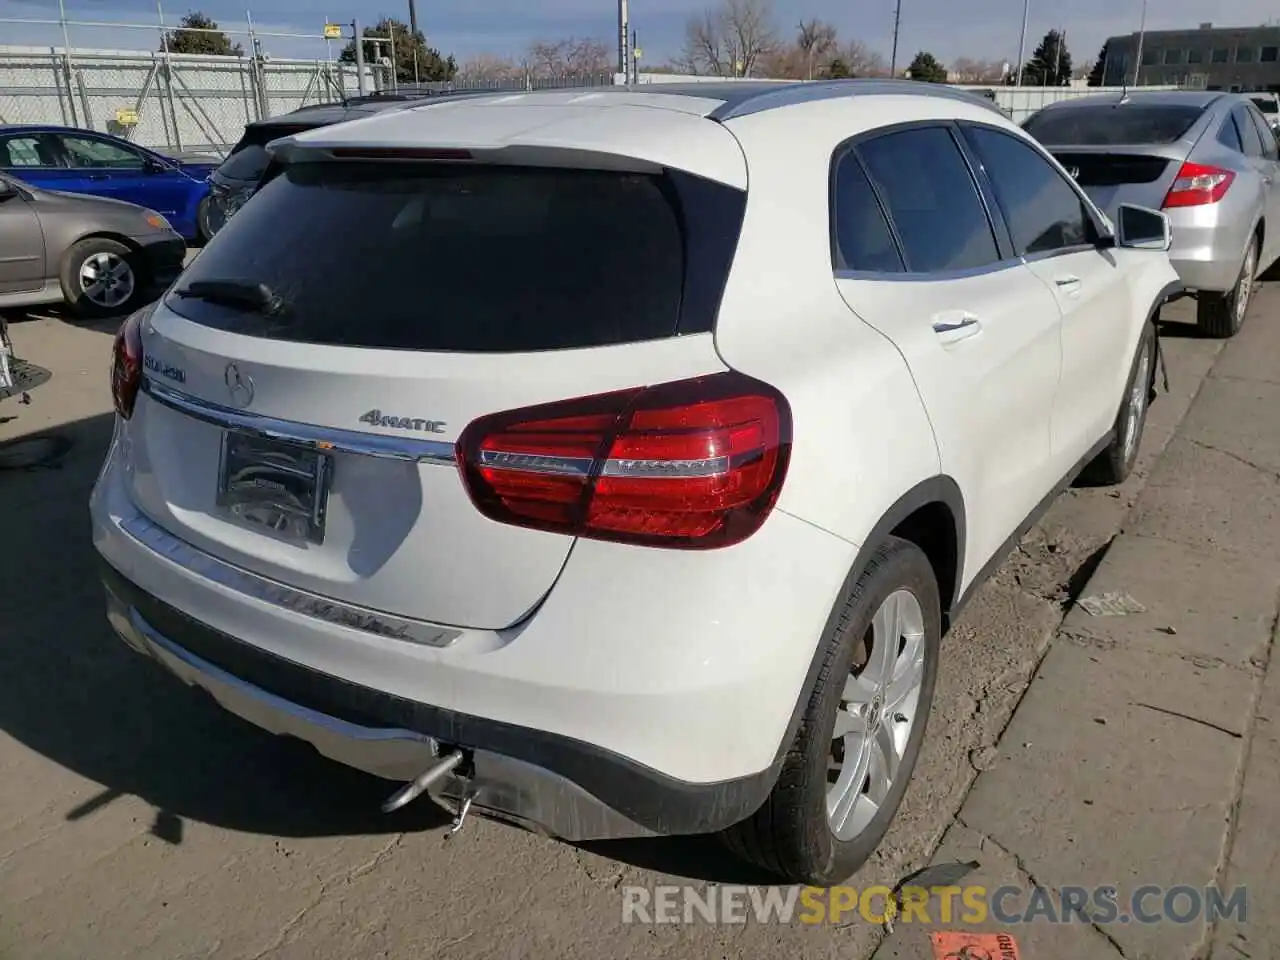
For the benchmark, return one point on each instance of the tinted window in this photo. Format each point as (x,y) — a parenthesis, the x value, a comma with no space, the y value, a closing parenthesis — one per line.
(931,197)
(1244,55)
(1248,132)
(91,152)
(1270,54)
(1102,124)
(1265,104)
(247,162)
(1266,135)
(863,238)
(1195,56)
(25,151)
(1043,211)
(1173,57)
(467,258)
(1229,135)
(1221,55)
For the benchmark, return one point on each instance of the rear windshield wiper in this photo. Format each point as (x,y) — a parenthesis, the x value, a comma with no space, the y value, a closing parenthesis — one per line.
(240,294)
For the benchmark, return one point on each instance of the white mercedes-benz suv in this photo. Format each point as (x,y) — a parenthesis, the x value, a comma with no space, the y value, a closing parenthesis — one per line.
(612,463)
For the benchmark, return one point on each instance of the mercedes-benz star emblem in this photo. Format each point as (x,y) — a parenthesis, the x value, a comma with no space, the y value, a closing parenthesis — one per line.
(239,384)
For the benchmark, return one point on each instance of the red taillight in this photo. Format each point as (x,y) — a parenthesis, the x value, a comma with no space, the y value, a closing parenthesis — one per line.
(1198,184)
(692,464)
(126,366)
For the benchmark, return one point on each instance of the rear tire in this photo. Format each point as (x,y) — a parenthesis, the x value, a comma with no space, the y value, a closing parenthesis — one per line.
(101,278)
(1114,464)
(204,226)
(1221,315)
(819,824)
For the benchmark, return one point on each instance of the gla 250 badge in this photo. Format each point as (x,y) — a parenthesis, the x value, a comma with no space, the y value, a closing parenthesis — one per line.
(376,418)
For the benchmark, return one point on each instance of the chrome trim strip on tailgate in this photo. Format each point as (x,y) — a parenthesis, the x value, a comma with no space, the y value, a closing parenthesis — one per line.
(326,439)
(155,538)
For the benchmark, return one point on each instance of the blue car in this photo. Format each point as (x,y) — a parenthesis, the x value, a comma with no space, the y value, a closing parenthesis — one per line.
(98,164)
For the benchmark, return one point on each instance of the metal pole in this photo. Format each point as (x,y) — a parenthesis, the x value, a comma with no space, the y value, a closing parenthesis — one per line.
(395,65)
(168,78)
(624,39)
(1022,44)
(1142,35)
(893,60)
(413,18)
(355,31)
(66,61)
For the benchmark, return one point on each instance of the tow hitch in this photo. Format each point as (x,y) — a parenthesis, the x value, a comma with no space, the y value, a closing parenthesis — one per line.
(448,763)
(416,788)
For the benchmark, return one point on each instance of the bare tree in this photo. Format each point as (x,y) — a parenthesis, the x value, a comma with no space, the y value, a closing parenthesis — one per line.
(488,67)
(729,40)
(862,61)
(572,56)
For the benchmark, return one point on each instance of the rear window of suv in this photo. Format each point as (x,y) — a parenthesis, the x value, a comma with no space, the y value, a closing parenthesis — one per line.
(1103,125)
(470,258)
(248,159)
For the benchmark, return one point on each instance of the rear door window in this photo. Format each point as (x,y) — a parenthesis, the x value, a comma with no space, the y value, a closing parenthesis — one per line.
(1113,124)
(1229,135)
(1044,212)
(932,200)
(864,241)
(1248,132)
(473,258)
(1265,134)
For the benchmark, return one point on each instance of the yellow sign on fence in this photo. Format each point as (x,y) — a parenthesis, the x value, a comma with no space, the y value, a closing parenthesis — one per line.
(126,116)
(333,31)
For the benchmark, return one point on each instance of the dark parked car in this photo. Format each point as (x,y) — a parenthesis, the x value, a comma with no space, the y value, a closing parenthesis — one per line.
(100,165)
(239,175)
(100,256)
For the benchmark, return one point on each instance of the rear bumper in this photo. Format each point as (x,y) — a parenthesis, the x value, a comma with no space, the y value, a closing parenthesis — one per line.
(398,739)
(1207,250)
(601,715)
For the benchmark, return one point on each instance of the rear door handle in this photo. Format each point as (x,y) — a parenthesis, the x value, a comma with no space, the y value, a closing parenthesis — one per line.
(1068,284)
(953,327)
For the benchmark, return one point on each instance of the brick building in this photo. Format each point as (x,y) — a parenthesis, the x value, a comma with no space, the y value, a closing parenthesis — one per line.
(1212,58)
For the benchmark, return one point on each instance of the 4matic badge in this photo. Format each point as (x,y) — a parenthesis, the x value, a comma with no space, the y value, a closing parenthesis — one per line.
(376,418)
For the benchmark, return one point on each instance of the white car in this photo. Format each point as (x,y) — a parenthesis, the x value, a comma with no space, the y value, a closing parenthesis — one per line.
(612,463)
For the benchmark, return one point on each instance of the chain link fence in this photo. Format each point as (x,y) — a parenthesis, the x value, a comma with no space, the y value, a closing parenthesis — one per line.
(180,102)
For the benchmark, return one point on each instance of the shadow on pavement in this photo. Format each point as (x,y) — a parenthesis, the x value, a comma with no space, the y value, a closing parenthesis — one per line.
(72,692)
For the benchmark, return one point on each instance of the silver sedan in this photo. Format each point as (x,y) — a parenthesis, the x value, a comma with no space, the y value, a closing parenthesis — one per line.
(1209,160)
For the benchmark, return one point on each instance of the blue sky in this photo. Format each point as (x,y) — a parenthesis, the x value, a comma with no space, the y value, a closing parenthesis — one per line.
(985,29)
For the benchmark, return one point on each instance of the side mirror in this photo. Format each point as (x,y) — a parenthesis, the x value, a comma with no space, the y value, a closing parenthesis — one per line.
(6,189)
(1141,228)
(152,165)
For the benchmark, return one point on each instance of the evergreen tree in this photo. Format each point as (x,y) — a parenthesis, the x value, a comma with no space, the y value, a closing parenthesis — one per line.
(431,65)
(1097,76)
(191,37)
(1050,65)
(927,68)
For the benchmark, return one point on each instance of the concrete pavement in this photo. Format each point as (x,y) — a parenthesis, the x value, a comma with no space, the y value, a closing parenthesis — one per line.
(1144,751)
(138,820)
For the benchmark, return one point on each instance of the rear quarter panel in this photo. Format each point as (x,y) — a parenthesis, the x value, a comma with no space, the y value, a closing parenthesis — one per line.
(861,435)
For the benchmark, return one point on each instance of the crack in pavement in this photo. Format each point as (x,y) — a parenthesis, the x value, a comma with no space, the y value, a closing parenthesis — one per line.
(1030,878)
(1205,946)
(1186,716)
(1275,475)
(342,876)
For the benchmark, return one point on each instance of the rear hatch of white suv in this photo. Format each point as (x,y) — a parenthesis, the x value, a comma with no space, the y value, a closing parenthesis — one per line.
(308,378)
